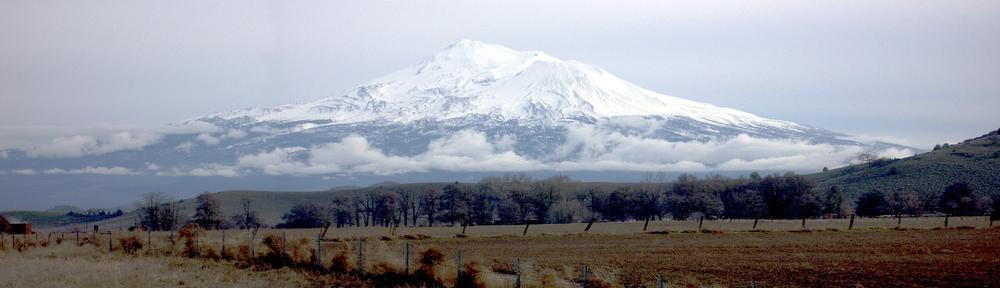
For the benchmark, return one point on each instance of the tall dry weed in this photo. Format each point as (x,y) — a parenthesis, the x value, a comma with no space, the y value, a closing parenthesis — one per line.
(130,245)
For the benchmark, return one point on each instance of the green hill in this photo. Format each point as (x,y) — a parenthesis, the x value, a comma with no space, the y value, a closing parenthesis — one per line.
(975,161)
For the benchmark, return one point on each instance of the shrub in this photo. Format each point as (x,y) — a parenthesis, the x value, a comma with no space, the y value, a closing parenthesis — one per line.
(469,277)
(130,245)
(426,274)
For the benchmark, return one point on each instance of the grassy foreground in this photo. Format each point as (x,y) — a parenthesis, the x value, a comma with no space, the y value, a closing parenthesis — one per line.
(70,266)
(617,255)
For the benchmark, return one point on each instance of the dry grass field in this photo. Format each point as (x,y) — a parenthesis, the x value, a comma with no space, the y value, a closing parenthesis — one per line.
(725,254)
(71,266)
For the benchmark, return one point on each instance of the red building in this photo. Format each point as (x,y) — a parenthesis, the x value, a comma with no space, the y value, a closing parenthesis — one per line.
(14,228)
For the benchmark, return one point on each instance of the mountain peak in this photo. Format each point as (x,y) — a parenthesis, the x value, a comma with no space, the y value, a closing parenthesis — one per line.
(471,79)
(472,54)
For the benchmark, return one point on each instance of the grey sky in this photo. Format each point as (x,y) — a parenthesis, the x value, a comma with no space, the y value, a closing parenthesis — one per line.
(923,72)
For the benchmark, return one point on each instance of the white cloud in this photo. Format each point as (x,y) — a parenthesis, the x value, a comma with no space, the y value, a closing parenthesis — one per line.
(895,153)
(3,172)
(117,170)
(235,134)
(869,138)
(185,147)
(214,170)
(70,141)
(77,146)
(586,149)
(208,139)
(25,172)
(152,166)
(267,130)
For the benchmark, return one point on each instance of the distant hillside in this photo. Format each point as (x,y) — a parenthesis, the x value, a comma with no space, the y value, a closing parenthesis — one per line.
(45,219)
(975,161)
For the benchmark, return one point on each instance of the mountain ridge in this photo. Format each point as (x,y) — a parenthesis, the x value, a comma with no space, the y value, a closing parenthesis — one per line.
(473,78)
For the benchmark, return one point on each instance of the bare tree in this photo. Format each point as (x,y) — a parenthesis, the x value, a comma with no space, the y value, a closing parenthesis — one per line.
(430,204)
(149,210)
(158,212)
(207,215)
(247,218)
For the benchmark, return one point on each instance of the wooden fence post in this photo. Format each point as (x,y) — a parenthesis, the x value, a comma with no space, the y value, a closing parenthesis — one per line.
(700,220)
(458,264)
(517,269)
(526,225)
(361,255)
(755,223)
(253,236)
(197,243)
(282,246)
(586,276)
(851,226)
(223,243)
(646,224)
(589,223)
(78,238)
(319,251)
(110,236)
(659,281)
(149,240)
(407,258)
(946,220)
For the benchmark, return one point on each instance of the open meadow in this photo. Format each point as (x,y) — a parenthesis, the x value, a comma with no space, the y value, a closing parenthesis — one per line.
(778,253)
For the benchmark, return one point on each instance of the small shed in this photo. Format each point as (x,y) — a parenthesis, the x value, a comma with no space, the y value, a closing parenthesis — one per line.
(14,228)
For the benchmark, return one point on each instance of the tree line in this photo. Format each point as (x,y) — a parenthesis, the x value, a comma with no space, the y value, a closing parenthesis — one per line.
(157,212)
(519,199)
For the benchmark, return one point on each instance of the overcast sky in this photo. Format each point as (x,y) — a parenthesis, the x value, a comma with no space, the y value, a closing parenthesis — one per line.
(916,72)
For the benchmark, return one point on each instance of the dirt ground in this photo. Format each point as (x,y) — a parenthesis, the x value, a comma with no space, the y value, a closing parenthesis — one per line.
(913,258)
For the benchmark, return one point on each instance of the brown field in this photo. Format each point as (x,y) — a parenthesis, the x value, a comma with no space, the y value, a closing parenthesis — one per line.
(725,254)
(69,266)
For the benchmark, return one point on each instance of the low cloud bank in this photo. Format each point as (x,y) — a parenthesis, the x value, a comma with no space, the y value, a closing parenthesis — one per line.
(86,145)
(586,149)
(76,146)
(117,170)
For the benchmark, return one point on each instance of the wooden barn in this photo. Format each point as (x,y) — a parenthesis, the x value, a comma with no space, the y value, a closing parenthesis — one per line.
(14,228)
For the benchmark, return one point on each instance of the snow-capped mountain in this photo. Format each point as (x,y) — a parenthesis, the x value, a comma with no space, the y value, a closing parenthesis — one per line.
(471,79)
(471,108)
(502,92)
